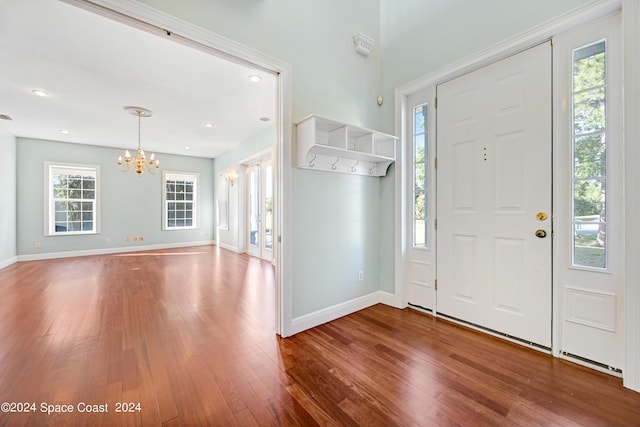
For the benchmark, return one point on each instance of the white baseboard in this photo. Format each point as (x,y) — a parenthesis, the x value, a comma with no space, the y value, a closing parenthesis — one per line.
(311,320)
(391,300)
(107,251)
(229,247)
(7,262)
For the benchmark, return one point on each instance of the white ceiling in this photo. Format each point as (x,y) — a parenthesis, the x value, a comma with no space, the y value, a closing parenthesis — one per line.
(93,67)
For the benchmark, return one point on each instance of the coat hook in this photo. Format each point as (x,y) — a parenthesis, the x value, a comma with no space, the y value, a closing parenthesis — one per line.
(353,168)
(312,161)
(333,166)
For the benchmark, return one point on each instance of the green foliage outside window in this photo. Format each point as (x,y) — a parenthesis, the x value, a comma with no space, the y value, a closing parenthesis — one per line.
(589,156)
(420,138)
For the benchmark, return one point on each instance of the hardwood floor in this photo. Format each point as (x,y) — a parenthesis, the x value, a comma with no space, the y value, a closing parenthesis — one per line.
(188,334)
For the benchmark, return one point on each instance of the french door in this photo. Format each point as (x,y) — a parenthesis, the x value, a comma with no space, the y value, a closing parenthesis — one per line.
(260,209)
(494,171)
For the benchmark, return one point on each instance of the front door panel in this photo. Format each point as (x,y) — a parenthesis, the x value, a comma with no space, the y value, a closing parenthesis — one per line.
(493,178)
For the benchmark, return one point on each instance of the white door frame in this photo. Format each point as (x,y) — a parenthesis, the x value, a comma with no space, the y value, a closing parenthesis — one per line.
(631,42)
(154,21)
(631,137)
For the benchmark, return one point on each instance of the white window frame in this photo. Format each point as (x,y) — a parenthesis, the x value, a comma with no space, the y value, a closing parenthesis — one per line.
(427,235)
(179,176)
(608,141)
(49,200)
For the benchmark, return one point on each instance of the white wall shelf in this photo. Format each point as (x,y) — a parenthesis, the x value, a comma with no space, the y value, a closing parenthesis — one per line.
(332,146)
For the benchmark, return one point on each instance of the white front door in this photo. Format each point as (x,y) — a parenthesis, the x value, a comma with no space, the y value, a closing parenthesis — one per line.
(494,197)
(260,209)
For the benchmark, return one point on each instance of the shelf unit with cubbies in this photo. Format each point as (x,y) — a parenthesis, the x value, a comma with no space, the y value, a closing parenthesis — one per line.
(328,145)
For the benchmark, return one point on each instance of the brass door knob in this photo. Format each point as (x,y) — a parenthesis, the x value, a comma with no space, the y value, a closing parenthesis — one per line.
(541,233)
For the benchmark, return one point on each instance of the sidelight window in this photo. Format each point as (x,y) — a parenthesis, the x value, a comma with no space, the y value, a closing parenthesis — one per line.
(420,162)
(589,142)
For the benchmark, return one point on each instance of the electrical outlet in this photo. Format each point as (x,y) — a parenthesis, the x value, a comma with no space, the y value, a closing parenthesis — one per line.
(107,239)
(129,239)
(360,276)
(38,245)
(141,237)
(135,238)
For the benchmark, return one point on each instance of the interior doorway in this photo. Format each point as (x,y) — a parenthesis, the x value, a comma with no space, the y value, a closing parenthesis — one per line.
(181,32)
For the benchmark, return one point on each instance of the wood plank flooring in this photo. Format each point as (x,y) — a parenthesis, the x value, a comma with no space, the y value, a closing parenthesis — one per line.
(188,335)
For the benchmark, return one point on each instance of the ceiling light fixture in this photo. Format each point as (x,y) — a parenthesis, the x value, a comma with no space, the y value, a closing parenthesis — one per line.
(39,92)
(255,78)
(208,125)
(64,131)
(140,163)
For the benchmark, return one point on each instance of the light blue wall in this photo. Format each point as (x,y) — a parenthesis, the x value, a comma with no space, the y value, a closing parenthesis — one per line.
(256,144)
(8,177)
(330,248)
(130,205)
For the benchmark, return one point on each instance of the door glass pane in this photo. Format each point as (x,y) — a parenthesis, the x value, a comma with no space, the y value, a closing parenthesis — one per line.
(268,207)
(254,206)
(420,169)
(589,178)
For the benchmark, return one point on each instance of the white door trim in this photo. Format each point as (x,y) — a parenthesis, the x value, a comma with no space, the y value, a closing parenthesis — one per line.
(154,21)
(631,137)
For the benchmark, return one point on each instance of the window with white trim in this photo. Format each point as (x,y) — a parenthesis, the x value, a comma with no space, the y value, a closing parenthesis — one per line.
(420,159)
(589,137)
(180,197)
(72,199)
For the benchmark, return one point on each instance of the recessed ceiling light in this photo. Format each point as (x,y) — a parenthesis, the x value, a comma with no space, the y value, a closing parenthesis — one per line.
(39,92)
(186,147)
(255,78)
(208,125)
(264,119)
(64,131)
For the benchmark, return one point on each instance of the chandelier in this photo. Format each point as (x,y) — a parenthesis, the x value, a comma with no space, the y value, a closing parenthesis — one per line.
(140,163)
